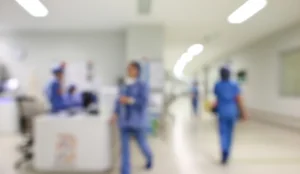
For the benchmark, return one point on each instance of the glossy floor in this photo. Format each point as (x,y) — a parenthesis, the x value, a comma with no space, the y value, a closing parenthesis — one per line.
(191,147)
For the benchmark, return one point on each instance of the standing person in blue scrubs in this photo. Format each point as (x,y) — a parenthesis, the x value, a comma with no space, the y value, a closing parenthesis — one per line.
(195,98)
(55,90)
(130,112)
(229,107)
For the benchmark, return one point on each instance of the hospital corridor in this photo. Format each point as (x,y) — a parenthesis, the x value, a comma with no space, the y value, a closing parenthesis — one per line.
(149,87)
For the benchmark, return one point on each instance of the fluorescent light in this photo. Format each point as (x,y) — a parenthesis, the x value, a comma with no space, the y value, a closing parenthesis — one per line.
(195,50)
(178,68)
(185,58)
(34,7)
(181,63)
(246,11)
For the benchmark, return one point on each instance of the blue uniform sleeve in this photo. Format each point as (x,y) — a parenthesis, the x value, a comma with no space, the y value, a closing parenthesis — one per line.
(55,88)
(74,101)
(216,89)
(117,108)
(79,100)
(141,99)
(52,90)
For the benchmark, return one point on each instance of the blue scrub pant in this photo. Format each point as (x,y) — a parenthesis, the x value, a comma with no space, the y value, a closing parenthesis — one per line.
(141,137)
(226,130)
(195,105)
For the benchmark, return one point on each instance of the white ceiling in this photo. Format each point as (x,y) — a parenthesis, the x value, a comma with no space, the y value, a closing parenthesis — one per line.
(186,21)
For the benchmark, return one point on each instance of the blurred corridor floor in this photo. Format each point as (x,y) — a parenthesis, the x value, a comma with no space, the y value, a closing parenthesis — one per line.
(192,148)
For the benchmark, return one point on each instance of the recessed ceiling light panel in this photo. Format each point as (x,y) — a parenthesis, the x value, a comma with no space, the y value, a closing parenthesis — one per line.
(246,11)
(34,7)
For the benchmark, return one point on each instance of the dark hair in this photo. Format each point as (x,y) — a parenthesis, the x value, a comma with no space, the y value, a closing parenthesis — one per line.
(137,66)
(225,73)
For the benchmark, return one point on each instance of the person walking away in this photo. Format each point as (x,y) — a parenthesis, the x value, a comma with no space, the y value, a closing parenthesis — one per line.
(195,98)
(229,106)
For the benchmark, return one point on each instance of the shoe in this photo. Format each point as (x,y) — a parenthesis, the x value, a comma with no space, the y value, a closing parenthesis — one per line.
(224,158)
(148,165)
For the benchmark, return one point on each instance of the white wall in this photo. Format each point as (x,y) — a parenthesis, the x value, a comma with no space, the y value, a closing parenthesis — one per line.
(172,52)
(145,41)
(43,50)
(261,60)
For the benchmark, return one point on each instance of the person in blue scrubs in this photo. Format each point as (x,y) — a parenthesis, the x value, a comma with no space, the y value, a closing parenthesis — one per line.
(195,98)
(72,98)
(228,108)
(55,91)
(130,113)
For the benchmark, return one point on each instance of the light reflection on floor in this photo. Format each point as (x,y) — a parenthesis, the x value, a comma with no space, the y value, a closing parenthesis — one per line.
(185,158)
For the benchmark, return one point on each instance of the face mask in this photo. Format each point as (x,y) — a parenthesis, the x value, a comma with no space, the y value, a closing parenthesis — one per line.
(130,80)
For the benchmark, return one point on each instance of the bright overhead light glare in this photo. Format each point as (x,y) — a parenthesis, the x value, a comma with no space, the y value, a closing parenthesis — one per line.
(181,63)
(195,50)
(186,57)
(178,68)
(34,7)
(246,11)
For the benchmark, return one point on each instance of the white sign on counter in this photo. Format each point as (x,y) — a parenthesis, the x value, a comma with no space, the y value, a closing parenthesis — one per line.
(73,144)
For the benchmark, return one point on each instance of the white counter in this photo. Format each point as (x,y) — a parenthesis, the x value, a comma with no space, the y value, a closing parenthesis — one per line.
(72,144)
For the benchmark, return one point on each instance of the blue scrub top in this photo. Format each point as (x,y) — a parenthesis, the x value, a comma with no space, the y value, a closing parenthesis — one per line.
(56,100)
(195,93)
(133,115)
(73,101)
(226,93)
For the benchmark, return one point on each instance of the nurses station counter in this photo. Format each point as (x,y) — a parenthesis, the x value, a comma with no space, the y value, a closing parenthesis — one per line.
(72,144)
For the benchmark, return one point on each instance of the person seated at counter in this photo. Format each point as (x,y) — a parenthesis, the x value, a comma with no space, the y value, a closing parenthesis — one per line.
(55,90)
(72,99)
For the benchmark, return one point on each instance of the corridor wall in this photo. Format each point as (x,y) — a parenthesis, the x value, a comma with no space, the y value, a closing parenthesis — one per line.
(261,60)
(35,53)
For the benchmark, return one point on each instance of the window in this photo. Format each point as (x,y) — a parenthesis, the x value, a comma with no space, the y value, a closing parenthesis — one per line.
(290,73)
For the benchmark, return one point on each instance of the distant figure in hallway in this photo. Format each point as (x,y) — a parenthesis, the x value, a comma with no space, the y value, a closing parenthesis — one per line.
(229,107)
(195,97)
(130,112)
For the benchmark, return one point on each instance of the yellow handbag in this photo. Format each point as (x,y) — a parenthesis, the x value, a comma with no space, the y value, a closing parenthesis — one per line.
(208,106)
